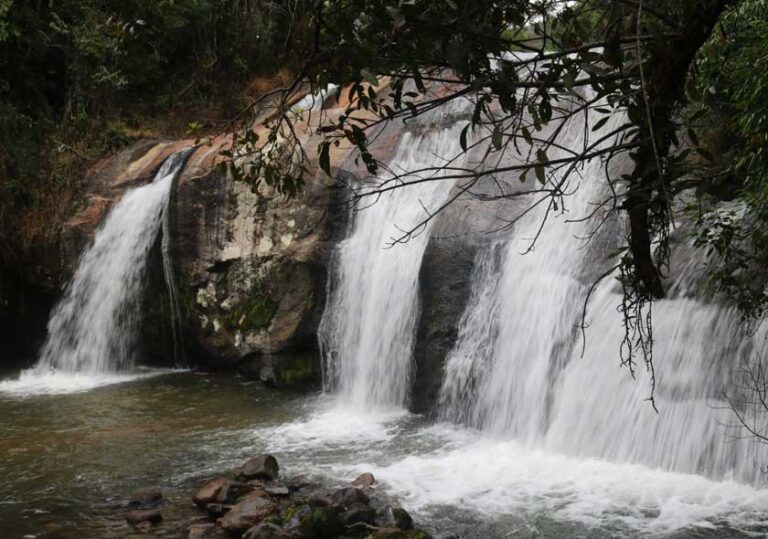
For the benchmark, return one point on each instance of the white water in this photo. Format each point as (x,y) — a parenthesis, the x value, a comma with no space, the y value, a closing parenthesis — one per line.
(92,330)
(546,431)
(521,324)
(369,323)
(517,368)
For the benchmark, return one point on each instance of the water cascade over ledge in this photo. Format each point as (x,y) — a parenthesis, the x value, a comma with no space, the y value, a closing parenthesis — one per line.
(368,327)
(92,331)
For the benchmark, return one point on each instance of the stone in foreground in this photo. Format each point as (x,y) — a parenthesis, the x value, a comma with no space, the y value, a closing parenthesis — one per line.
(261,467)
(247,514)
(220,490)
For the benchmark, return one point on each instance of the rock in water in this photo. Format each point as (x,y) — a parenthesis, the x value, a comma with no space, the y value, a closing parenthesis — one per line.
(322,523)
(146,497)
(402,518)
(261,467)
(278,491)
(265,530)
(146,515)
(364,480)
(346,497)
(220,490)
(357,513)
(247,514)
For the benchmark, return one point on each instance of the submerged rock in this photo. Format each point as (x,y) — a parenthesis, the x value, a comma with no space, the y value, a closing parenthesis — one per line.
(346,497)
(323,523)
(247,514)
(146,497)
(402,518)
(220,490)
(261,467)
(358,513)
(143,515)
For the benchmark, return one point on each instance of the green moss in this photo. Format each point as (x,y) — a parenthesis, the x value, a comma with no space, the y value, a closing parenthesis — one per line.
(298,370)
(253,314)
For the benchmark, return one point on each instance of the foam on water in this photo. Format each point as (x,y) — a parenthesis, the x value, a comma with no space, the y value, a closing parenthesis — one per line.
(33,382)
(497,477)
(333,425)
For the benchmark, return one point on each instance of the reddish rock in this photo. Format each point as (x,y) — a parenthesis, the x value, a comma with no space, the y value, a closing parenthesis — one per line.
(364,480)
(220,490)
(247,514)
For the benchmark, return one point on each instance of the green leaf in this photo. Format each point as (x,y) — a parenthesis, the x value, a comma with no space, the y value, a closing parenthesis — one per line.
(541,175)
(369,77)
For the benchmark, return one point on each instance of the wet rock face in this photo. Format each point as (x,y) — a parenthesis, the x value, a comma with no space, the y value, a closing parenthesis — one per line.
(252,265)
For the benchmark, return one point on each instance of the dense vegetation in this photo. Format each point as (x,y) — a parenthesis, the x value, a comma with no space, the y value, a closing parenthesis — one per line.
(729,113)
(81,78)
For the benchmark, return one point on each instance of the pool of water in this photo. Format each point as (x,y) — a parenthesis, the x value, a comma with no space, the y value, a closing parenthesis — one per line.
(69,459)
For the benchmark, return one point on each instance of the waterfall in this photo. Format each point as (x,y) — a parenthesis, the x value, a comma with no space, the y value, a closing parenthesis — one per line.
(93,327)
(170,278)
(368,327)
(519,329)
(518,370)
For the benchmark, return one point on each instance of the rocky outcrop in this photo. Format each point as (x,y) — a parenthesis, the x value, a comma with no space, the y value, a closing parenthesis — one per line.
(252,264)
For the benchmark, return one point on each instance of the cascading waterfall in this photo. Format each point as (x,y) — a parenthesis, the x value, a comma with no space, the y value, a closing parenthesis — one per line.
(93,328)
(368,326)
(699,353)
(517,368)
(518,331)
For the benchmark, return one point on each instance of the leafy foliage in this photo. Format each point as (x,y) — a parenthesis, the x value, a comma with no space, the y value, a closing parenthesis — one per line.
(730,91)
(75,74)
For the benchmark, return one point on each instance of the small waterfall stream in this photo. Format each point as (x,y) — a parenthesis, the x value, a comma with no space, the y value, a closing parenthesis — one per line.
(93,328)
(369,323)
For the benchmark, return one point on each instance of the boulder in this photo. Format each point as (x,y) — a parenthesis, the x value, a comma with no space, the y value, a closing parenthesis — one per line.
(358,513)
(247,514)
(265,530)
(364,480)
(261,467)
(278,491)
(402,519)
(220,490)
(256,493)
(322,523)
(346,497)
(294,516)
(143,515)
(146,498)
(253,267)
